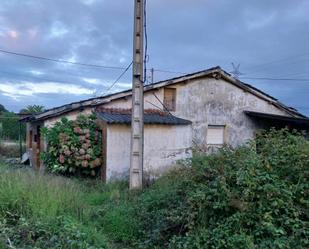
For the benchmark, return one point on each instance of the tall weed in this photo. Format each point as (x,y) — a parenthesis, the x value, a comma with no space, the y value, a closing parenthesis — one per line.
(33,194)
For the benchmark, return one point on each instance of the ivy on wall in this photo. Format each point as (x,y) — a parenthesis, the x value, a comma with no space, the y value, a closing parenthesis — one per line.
(73,147)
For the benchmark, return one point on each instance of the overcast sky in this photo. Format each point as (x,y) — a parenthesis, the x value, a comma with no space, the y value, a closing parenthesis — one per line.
(269,38)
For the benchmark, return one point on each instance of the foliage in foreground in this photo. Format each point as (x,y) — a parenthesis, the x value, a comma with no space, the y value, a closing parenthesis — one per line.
(44,211)
(234,199)
(252,197)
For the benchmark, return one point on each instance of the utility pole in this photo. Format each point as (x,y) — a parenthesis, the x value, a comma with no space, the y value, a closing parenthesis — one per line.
(137,122)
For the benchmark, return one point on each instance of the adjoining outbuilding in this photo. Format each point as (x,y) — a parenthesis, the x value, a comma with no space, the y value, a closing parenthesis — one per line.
(166,139)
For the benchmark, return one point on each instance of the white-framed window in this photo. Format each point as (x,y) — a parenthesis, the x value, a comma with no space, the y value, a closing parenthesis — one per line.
(215,135)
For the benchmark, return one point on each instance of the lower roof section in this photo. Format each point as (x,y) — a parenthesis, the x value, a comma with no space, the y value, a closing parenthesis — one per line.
(280,118)
(151,116)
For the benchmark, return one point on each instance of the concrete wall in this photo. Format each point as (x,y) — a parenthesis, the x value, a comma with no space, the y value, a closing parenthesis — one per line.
(217,102)
(70,116)
(163,146)
(205,101)
(152,100)
(209,101)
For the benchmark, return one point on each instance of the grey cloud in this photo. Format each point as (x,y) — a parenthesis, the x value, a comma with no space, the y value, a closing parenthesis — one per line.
(183,36)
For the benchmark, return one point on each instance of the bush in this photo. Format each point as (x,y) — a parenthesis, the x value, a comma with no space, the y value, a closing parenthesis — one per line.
(253,197)
(60,233)
(74,147)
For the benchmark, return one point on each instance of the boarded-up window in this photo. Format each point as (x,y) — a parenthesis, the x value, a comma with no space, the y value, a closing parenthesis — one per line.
(170,99)
(215,134)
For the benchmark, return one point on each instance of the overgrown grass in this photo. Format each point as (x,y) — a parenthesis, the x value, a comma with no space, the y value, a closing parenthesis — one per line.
(253,197)
(23,192)
(46,211)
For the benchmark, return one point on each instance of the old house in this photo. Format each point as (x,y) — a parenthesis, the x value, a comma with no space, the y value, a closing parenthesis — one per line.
(202,110)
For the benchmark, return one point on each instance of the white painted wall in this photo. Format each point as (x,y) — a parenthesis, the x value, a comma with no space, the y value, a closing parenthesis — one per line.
(217,102)
(70,116)
(205,101)
(163,146)
(208,101)
(150,100)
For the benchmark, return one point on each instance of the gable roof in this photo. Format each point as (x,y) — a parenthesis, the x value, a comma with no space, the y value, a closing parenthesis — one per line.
(151,116)
(215,72)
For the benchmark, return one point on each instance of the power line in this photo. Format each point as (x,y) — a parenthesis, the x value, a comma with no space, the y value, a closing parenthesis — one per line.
(119,77)
(83,64)
(257,68)
(60,61)
(127,68)
(276,79)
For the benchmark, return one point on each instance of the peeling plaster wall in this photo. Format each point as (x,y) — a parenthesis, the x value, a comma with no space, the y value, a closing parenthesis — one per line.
(163,146)
(150,101)
(208,101)
(204,101)
(217,102)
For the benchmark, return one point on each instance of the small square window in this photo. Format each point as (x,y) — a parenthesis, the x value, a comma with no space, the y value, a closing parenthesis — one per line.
(215,135)
(170,99)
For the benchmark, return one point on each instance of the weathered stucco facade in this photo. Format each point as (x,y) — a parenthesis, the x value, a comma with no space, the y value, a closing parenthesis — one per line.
(208,98)
(210,101)
(164,146)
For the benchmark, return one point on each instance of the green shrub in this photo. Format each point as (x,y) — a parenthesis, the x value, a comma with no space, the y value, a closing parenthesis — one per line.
(253,197)
(74,147)
(112,211)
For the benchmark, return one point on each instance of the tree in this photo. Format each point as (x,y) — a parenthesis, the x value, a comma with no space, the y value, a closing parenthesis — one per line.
(2,109)
(10,126)
(31,109)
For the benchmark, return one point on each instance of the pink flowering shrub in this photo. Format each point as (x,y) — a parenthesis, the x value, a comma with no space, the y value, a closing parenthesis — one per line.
(74,147)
